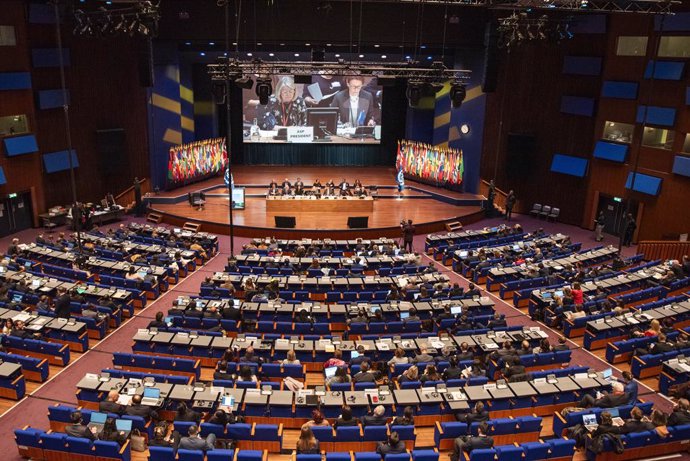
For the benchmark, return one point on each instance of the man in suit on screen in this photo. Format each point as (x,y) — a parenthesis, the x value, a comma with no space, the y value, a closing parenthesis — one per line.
(356,107)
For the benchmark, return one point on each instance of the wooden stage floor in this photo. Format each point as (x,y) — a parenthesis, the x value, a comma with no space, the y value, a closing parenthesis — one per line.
(428,207)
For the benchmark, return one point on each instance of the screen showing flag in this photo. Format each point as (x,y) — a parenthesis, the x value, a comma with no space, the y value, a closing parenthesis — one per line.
(312,108)
(442,166)
(197,160)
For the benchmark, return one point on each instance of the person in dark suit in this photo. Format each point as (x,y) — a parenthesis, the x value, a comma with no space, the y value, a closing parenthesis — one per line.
(562,345)
(680,414)
(469,443)
(137,409)
(365,375)
(452,371)
(477,415)
(299,187)
(78,428)
(606,425)
(158,322)
(513,367)
(510,203)
(194,442)
(63,309)
(346,418)
(376,418)
(391,446)
(250,357)
(111,434)
(472,291)
(361,358)
(110,405)
(629,231)
(186,414)
(630,387)
(497,321)
(636,422)
(614,399)
(355,106)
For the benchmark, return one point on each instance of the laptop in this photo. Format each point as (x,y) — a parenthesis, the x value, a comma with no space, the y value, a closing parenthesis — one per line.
(330,372)
(456,310)
(97,421)
(151,396)
(124,425)
(607,374)
(17,298)
(590,422)
(354,354)
(404,315)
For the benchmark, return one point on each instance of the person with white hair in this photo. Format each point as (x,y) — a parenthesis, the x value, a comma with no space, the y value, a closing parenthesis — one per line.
(615,398)
(285,107)
(376,418)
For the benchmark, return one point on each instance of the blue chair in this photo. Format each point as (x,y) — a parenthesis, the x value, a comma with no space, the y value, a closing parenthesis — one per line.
(562,448)
(190,455)
(367,456)
(161,454)
(425,455)
(348,438)
(337,456)
(509,453)
(79,446)
(302,457)
(324,434)
(220,455)
(249,455)
(54,443)
(372,436)
(242,433)
(483,454)
(111,450)
(535,451)
(397,457)
(267,437)
(29,442)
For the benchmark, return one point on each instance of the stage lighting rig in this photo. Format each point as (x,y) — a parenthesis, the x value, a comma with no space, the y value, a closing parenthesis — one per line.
(610,6)
(140,17)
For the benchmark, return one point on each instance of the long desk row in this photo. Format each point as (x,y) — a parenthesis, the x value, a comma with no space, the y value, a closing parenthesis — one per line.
(459,256)
(434,240)
(130,247)
(523,396)
(70,332)
(326,244)
(372,262)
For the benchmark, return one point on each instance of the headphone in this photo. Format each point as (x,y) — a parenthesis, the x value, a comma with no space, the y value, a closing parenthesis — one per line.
(351,398)
(300,399)
(335,394)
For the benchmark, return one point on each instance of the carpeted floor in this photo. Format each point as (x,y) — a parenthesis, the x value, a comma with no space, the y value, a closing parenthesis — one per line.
(32,410)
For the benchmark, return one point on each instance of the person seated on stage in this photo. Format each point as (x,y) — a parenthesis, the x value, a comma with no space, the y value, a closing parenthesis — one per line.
(274,189)
(329,190)
(344,186)
(272,184)
(357,183)
(286,186)
(359,191)
(317,184)
(299,187)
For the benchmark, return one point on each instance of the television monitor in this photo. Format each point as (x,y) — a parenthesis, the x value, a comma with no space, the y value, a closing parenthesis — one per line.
(324,120)
(238,198)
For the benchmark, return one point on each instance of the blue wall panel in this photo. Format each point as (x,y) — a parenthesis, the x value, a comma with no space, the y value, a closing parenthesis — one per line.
(664,116)
(644,183)
(676,22)
(665,70)
(611,151)
(41,13)
(15,81)
(582,65)
(681,165)
(589,24)
(49,57)
(51,99)
(19,145)
(619,90)
(3,180)
(577,105)
(59,161)
(567,164)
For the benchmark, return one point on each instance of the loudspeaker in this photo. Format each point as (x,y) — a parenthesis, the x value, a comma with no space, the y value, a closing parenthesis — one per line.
(285,222)
(145,64)
(358,222)
(520,149)
(110,145)
(490,78)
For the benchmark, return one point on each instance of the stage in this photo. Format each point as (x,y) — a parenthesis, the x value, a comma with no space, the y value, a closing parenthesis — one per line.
(430,208)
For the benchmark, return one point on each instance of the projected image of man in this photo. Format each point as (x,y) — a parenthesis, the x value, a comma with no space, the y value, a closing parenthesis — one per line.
(355,105)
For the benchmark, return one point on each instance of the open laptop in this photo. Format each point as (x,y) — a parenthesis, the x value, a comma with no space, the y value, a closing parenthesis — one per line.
(456,310)
(607,374)
(404,315)
(590,422)
(151,396)
(330,372)
(97,421)
(124,425)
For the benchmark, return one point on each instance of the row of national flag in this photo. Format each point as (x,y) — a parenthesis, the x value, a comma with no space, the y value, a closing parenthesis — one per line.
(197,159)
(442,165)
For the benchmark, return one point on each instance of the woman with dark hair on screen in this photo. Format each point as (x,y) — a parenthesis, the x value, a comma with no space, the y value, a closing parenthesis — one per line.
(284,107)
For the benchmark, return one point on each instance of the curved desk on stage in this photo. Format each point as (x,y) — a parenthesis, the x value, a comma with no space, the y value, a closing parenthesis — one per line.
(280,204)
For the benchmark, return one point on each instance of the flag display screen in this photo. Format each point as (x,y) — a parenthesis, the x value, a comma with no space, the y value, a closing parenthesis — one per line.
(312,109)
(197,160)
(439,165)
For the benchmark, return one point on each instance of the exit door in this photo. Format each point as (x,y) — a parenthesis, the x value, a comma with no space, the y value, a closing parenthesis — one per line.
(16,213)
(614,213)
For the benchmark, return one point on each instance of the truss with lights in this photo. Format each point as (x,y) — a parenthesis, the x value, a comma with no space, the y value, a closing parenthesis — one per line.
(141,18)
(518,28)
(613,6)
(233,69)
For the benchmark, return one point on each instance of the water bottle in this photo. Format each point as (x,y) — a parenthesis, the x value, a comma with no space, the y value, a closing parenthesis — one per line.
(255,129)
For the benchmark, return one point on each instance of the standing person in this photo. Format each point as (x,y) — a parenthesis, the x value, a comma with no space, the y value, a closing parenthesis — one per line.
(490,201)
(408,231)
(630,226)
(599,226)
(137,196)
(510,203)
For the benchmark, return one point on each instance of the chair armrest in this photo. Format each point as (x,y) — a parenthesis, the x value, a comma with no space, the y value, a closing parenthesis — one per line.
(280,430)
(124,446)
(438,426)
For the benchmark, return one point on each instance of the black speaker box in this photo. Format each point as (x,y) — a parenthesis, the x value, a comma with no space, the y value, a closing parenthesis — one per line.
(490,77)
(145,64)
(358,222)
(285,222)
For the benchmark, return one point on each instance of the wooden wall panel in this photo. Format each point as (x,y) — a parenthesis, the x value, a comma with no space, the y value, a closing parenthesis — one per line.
(664,216)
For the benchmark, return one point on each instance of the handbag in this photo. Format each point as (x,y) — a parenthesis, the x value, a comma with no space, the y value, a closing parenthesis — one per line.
(138,442)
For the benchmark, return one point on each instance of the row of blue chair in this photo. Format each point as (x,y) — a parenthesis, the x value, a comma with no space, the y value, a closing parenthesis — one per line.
(530,361)
(622,351)
(55,353)
(171,365)
(247,436)
(33,368)
(561,422)
(503,430)
(39,445)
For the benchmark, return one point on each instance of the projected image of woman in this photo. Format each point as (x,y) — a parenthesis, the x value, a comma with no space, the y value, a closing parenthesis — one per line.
(284,107)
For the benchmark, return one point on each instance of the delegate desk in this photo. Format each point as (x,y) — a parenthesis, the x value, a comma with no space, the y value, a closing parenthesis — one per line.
(309,203)
(325,244)
(115,213)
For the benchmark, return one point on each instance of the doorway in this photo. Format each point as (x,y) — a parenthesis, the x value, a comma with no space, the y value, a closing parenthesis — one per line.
(614,212)
(16,213)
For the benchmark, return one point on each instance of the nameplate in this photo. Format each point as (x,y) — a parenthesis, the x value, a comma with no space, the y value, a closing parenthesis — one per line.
(300,134)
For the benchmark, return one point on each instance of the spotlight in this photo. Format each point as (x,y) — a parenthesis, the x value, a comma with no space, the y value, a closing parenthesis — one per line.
(457,94)
(414,93)
(432,88)
(245,83)
(263,90)
(142,29)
